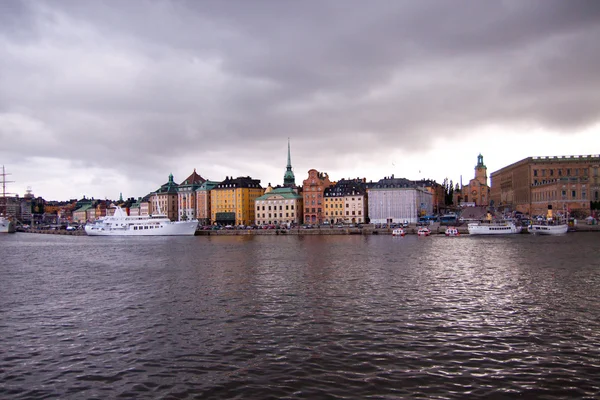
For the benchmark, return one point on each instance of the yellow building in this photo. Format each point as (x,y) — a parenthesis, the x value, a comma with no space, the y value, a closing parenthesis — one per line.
(232,201)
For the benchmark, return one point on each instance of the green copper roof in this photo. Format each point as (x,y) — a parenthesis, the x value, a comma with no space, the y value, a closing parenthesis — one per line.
(169,187)
(285,192)
(288,178)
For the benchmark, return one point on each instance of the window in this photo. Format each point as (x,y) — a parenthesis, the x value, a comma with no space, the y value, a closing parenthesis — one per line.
(568,171)
(535,172)
(573,193)
(551,172)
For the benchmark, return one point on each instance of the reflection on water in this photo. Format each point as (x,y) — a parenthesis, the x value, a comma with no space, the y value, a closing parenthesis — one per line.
(299,317)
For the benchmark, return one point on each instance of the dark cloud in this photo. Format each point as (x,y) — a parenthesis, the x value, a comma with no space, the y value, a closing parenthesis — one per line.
(142,86)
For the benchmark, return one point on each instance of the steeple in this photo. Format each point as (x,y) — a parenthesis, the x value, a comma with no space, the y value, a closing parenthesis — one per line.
(480,161)
(288,178)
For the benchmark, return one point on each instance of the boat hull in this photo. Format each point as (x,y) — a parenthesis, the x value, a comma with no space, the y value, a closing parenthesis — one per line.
(548,229)
(183,228)
(493,229)
(7,226)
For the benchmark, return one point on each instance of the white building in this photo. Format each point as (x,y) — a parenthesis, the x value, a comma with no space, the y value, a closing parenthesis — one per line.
(394,200)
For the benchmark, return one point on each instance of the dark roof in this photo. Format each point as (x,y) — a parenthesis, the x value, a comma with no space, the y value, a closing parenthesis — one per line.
(391,182)
(346,187)
(239,182)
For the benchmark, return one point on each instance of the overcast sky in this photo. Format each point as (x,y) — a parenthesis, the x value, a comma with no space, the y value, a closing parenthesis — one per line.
(99,98)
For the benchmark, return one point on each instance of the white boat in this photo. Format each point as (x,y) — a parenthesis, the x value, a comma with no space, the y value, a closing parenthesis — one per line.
(545,229)
(423,231)
(398,232)
(452,231)
(7,225)
(121,224)
(493,228)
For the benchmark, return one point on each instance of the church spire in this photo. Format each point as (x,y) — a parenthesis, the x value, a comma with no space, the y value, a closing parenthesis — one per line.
(288,178)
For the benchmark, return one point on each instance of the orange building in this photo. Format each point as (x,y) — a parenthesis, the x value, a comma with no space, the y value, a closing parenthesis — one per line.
(313,190)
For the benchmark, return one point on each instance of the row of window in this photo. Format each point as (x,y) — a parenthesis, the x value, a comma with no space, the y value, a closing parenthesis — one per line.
(563,195)
(559,172)
(342,213)
(274,215)
(287,207)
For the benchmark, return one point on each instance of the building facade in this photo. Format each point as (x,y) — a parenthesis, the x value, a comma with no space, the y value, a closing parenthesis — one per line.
(313,190)
(203,202)
(478,191)
(232,201)
(535,184)
(346,202)
(279,206)
(164,200)
(187,196)
(395,200)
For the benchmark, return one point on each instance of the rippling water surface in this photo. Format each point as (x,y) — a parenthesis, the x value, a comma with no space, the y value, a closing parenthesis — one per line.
(300,317)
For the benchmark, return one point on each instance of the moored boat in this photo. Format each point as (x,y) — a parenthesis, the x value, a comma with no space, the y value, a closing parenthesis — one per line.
(121,224)
(493,228)
(452,231)
(423,231)
(398,232)
(548,229)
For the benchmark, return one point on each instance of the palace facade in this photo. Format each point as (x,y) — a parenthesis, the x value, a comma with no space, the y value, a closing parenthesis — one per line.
(535,184)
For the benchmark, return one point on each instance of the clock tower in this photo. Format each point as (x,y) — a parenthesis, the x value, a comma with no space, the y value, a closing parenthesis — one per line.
(481,171)
(478,189)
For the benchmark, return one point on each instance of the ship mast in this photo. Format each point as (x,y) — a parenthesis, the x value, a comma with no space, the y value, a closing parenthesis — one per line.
(4,202)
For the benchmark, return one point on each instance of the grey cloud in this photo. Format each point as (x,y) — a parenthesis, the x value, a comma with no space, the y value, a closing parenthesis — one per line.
(157,81)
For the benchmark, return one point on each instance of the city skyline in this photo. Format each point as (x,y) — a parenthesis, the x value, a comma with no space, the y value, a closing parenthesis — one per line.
(99,99)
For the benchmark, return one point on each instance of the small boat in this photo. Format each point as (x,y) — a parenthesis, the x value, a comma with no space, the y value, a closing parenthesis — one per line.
(398,232)
(493,228)
(423,231)
(548,229)
(452,231)
(121,224)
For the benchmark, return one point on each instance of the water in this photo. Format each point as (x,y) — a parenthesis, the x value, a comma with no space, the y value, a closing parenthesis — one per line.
(299,317)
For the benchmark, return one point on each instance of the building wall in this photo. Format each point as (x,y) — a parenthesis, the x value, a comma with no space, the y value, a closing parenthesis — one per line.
(313,188)
(246,197)
(334,209)
(186,203)
(530,185)
(235,200)
(395,205)
(278,210)
(354,209)
(164,203)
(203,206)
